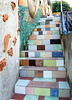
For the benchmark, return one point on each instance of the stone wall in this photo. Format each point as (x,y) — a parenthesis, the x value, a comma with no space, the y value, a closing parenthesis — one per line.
(67,49)
(9,71)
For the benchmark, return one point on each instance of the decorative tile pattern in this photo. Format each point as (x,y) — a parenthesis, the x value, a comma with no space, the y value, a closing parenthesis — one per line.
(38,42)
(31,55)
(42,91)
(54,92)
(31,97)
(51,98)
(38,73)
(42,54)
(44,42)
(40,47)
(37,54)
(48,36)
(47,74)
(22,54)
(50,63)
(34,47)
(39,63)
(24,62)
(32,63)
(48,54)
(30,42)
(30,73)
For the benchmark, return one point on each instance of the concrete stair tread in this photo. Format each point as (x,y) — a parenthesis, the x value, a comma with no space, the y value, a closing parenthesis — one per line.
(31,68)
(38,84)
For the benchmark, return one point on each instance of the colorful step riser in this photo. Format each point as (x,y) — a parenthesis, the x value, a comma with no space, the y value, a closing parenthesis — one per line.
(34,97)
(41,22)
(50,47)
(48,89)
(40,54)
(47,26)
(42,37)
(43,42)
(41,63)
(44,74)
(45,32)
(47,29)
(49,20)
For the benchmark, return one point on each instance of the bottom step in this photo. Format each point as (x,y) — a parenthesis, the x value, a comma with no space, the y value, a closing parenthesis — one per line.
(33,97)
(42,88)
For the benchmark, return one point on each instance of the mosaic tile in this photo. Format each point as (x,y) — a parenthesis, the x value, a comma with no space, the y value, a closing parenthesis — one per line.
(45,79)
(34,47)
(64,93)
(20,90)
(38,73)
(35,29)
(46,23)
(42,91)
(54,92)
(56,19)
(39,63)
(31,42)
(55,36)
(57,54)
(42,26)
(49,47)
(59,62)
(26,54)
(42,29)
(35,33)
(47,26)
(32,63)
(32,37)
(49,63)
(30,73)
(22,54)
(47,74)
(55,32)
(18,97)
(38,26)
(60,79)
(42,23)
(61,69)
(40,37)
(24,62)
(49,32)
(40,47)
(48,54)
(47,29)
(38,42)
(41,98)
(31,55)
(22,73)
(45,42)
(48,36)
(37,54)
(59,74)
(52,25)
(44,32)
(38,29)
(55,41)
(40,33)
(58,22)
(51,98)
(57,47)
(42,54)
(31,97)
(64,98)
(30,90)
(63,85)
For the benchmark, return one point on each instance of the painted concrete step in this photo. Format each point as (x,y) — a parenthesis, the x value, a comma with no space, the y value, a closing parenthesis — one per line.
(45,32)
(54,19)
(53,89)
(43,42)
(48,25)
(51,47)
(42,37)
(40,54)
(47,72)
(34,97)
(42,62)
(47,29)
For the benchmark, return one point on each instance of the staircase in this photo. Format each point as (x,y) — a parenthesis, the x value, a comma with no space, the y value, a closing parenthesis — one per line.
(42,71)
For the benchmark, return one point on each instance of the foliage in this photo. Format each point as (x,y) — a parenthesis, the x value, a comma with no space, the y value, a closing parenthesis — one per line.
(57,6)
